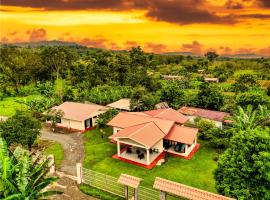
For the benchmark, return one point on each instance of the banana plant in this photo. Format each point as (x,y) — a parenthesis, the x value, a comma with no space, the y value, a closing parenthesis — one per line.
(22,177)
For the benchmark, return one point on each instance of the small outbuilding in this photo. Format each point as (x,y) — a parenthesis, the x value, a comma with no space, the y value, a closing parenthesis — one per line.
(79,116)
(216,116)
(122,104)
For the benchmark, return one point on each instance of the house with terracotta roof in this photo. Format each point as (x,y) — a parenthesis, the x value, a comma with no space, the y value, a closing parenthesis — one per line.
(79,116)
(219,118)
(121,104)
(143,138)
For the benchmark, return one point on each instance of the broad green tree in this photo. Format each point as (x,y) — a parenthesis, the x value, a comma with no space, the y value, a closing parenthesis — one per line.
(210,97)
(22,128)
(243,170)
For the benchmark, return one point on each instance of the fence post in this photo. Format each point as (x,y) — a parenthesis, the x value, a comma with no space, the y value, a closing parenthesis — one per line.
(79,173)
(51,164)
(162,195)
(126,192)
(136,194)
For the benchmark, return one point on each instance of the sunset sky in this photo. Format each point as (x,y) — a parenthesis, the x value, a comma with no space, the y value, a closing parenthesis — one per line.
(225,26)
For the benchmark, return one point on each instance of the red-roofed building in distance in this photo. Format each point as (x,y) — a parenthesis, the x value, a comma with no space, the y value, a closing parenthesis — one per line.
(79,116)
(216,116)
(143,138)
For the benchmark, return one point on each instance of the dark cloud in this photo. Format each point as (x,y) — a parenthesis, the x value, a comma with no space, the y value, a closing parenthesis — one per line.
(13,33)
(232,4)
(256,16)
(4,40)
(194,47)
(173,11)
(153,47)
(98,42)
(37,34)
(184,12)
(130,44)
(264,3)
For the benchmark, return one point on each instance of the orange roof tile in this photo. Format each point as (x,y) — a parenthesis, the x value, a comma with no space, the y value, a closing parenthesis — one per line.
(186,191)
(168,114)
(128,180)
(208,114)
(123,104)
(79,111)
(182,134)
(127,119)
(147,134)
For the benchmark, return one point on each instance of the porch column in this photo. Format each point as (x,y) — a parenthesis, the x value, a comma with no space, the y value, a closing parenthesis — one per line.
(118,148)
(147,157)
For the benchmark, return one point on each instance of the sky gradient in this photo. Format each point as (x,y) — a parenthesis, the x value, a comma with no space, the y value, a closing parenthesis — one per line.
(198,26)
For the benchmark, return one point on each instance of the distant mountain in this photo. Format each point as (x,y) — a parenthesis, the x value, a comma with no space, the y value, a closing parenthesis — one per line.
(181,54)
(243,56)
(47,43)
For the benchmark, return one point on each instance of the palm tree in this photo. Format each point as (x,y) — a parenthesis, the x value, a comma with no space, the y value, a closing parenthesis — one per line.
(23,176)
(250,118)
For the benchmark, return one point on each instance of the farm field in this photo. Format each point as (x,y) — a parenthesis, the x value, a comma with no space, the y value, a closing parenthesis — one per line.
(197,172)
(9,105)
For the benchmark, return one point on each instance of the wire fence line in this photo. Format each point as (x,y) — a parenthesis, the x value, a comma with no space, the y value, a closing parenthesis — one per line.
(110,184)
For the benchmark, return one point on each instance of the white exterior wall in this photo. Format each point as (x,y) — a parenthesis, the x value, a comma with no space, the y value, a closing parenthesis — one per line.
(79,125)
(116,129)
(218,124)
(159,146)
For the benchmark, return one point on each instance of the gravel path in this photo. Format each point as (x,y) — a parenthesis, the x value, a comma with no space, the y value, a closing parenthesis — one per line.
(73,148)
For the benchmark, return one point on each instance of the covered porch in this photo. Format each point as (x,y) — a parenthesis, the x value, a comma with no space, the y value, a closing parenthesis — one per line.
(134,153)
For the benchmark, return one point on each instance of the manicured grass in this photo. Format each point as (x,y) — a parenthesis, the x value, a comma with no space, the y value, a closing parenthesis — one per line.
(55,149)
(94,192)
(9,105)
(197,172)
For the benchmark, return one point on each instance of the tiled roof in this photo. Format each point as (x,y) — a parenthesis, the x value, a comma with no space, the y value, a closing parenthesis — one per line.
(79,111)
(127,119)
(182,134)
(122,104)
(147,134)
(168,114)
(208,114)
(128,180)
(185,191)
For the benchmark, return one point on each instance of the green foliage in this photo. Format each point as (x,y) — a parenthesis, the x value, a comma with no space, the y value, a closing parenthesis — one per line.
(211,55)
(100,194)
(245,82)
(253,97)
(244,168)
(210,97)
(22,128)
(107,94)
(173,94)
(104,118)
(142,100)
(57,150)
(23,176)
(54,116)
(204,125)
(250,118)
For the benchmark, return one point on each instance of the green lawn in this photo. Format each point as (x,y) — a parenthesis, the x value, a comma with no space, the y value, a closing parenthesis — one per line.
(56,150)
(197,172)
(9,105)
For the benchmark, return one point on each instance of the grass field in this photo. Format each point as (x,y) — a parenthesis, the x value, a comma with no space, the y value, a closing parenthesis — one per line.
(197,172)
(56,150)
(9,105)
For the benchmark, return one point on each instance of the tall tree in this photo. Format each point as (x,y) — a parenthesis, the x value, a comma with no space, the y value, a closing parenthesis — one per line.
(58,59)
(210,97)
(244,168)
(211,55)
(21,128)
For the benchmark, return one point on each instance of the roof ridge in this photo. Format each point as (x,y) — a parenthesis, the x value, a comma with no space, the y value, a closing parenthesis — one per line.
(161,129)
(166,109)
(146,123)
